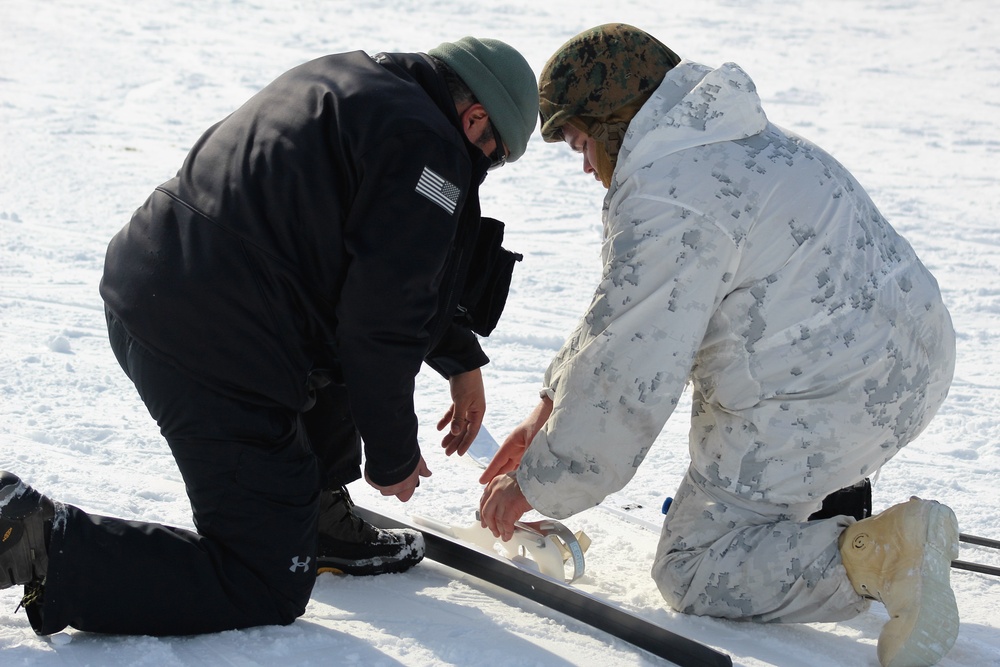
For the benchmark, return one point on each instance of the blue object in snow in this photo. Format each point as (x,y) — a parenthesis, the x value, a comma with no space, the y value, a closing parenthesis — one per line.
(666,504)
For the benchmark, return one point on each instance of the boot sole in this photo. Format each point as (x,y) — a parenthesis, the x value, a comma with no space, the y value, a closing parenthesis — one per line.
(23,513)
(935,628)
(368,567)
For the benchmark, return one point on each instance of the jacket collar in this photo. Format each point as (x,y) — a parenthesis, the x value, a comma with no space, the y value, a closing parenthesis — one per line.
(420,68)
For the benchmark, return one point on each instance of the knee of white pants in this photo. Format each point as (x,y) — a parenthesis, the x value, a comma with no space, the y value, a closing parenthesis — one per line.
(673,573)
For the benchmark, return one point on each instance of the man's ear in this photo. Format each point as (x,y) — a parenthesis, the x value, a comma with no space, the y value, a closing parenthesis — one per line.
(474,121)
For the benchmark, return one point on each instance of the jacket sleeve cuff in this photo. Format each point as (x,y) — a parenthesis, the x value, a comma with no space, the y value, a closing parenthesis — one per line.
(458,352)
(388,477)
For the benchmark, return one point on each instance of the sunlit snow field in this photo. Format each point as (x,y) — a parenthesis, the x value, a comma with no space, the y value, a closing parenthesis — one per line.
(99,102)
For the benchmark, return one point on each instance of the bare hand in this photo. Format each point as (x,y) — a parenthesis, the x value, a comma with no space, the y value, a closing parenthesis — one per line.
(508,457)
(403,490)
(465,416)
(502,505)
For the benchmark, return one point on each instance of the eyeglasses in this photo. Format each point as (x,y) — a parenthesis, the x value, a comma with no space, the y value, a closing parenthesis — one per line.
(499,157)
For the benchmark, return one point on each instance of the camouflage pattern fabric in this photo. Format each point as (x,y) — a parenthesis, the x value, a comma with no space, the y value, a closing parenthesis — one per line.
(597,73)
(747,261)
(725,556)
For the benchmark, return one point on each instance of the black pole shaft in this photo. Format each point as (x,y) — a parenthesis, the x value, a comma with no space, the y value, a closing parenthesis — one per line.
(570,601)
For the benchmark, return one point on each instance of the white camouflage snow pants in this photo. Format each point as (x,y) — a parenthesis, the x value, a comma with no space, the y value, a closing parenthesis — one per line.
(736,542)
(720,555)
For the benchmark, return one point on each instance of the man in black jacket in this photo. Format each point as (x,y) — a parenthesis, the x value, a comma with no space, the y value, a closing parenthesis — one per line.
(273,304)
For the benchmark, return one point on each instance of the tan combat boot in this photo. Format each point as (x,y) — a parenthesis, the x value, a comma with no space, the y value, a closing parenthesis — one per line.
(902,558)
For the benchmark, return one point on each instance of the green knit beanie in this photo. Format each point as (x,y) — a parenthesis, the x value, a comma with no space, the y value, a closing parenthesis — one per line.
(502,81)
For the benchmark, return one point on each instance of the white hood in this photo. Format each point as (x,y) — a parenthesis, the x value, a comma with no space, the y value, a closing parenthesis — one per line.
(695,105)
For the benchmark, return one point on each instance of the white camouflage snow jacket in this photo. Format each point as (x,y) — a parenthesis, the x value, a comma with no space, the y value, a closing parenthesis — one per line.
(746,260)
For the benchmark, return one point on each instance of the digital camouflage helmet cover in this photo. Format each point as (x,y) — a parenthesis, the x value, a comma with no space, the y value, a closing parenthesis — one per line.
(599,79)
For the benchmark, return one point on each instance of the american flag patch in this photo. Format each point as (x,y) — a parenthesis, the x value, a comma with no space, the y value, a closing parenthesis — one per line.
(438,190)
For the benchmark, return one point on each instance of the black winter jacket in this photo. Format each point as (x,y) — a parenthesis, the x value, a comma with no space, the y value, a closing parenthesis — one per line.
(319,233)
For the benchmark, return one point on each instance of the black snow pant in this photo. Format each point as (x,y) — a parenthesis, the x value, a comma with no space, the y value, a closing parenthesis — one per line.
(252,475)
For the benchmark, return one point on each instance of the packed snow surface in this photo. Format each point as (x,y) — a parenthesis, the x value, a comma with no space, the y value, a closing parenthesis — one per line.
(100,101)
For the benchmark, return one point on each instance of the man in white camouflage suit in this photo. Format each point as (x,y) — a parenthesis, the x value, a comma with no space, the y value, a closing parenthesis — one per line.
(746,260)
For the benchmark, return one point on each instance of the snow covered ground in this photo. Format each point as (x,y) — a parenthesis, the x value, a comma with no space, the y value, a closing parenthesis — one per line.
(99,102)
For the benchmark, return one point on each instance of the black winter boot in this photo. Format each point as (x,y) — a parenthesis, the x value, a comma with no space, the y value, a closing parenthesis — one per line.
(25,522)
(350,545)
(853,501)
